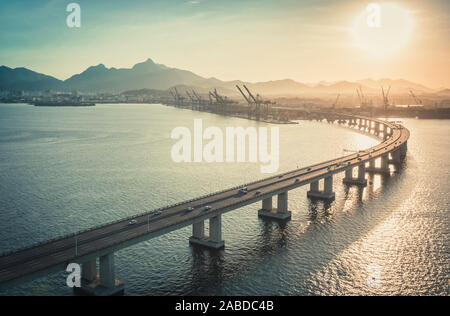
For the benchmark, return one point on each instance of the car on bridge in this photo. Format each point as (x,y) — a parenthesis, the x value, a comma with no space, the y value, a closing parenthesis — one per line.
(190,209)
(243,190)
(132,222)
(206,208)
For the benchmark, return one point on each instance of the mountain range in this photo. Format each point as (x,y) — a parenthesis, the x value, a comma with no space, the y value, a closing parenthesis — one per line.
(150,75)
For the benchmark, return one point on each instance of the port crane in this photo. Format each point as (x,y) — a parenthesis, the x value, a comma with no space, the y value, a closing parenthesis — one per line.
(385,95)
(386,104)
(222,102)
(362,98)
(193,100)
(416,99)
(336,102)
(256,105)
(200,101)
(249,100)
(179,99)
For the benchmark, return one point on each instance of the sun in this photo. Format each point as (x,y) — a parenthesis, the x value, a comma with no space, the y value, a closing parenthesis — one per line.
(383,29)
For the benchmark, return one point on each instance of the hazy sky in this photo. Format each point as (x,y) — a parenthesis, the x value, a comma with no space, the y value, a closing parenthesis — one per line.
(253,40)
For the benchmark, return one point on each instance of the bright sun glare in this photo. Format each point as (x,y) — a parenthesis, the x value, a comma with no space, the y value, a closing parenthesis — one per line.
(383,29)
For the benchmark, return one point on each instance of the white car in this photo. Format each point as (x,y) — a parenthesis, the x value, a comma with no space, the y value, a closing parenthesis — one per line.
(207,208)
(132,222)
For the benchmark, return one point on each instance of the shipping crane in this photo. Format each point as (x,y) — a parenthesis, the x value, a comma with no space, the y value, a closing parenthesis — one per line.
(362,98)
(201,103)
(416,99)
(249,101)
(256,105)
(222,102)
(179,100)
(336,102)
(385,96)
(193,101)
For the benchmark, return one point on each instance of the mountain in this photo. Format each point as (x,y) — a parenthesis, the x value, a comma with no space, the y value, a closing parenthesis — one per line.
(443,92)
(399,86)
(143,75)
(25,79)
(150,75)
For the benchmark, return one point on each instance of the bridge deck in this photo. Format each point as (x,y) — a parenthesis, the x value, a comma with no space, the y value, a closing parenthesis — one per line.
(120,234)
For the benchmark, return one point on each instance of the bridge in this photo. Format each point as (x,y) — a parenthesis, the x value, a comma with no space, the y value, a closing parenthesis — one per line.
(102,242)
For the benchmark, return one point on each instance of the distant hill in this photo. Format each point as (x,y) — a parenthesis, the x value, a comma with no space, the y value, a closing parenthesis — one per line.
(150,75)
(443,92)
(399,86)
(25,79)
(141,76)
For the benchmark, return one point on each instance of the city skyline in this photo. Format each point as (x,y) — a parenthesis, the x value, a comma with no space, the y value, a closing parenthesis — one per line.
(232,41)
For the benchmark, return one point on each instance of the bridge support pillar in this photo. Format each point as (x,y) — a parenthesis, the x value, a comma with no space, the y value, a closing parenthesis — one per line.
(279,213)
(267,204)
(89,271)
(386,132)
(104,284)
(360,180)
(396,157)
(214,241)
(327,194)
(198,230)
(384,165)
(403,150)
(375,129)
(372,166)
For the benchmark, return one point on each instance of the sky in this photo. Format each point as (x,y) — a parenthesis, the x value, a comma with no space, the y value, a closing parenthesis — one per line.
(251,40)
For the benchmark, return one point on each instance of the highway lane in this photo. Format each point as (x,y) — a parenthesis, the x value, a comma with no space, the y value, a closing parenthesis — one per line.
(63,250)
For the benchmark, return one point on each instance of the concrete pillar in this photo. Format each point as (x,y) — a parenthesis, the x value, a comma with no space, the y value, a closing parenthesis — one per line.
(349,174)
(384,167)
(327,194)
(106,284)
(362,172)
(360,180)
(215,228)
(396,156)
(214,241)
(283,202)
(328,185)
(279,213)
(198,230)
(89,270)
(107,271)
(267,204)
(314,186)
(404,149)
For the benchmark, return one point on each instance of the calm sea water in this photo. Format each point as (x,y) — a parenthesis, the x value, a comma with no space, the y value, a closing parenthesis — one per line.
(66,169)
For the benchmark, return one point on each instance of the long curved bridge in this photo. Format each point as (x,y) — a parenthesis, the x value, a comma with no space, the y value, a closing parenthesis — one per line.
(103,241)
